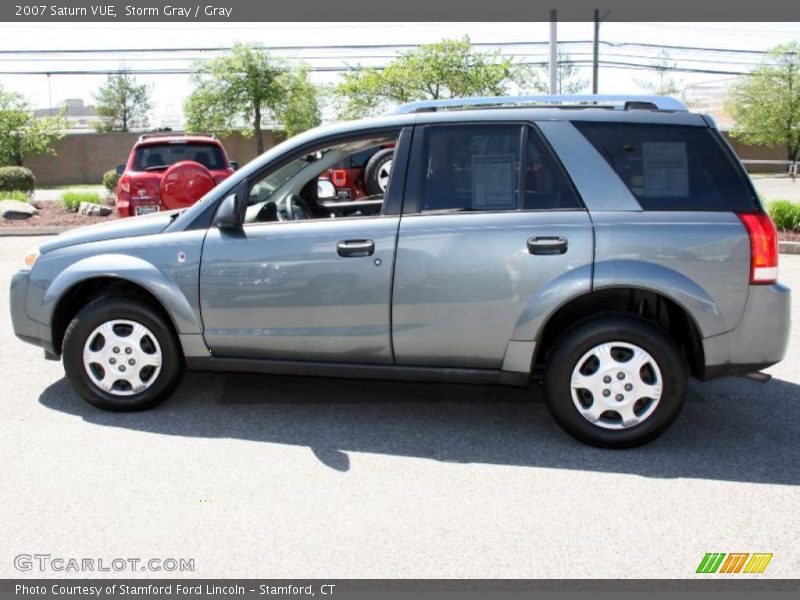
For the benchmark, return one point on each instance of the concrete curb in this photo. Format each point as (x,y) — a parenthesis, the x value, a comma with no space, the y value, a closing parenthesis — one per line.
(789,247)
(23,231)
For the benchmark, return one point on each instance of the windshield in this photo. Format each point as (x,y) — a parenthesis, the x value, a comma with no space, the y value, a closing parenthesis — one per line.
(155,157)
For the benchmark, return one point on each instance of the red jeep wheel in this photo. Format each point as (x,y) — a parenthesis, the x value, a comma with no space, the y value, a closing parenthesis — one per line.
(184,183)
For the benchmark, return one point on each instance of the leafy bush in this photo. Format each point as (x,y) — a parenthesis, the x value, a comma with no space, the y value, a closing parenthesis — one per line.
(110,179)
(785,214)
(72,200)
(16,178)
(15,195)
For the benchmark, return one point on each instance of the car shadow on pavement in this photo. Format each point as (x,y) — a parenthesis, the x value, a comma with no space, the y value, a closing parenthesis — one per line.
(730,430)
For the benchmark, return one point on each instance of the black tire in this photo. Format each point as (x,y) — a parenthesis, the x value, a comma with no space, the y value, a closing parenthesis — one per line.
(114,308)
(586,335)
(373,169)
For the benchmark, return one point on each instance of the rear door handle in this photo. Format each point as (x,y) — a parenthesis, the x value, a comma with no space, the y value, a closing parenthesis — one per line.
(355,248)
(547,245)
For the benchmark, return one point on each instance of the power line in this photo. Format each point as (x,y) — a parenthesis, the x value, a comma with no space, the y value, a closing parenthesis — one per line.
(342,69)
(376,47)
(377,57)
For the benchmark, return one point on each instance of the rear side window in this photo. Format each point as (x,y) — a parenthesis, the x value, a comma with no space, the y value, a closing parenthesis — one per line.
(668,167)
(154,157)
(484,167)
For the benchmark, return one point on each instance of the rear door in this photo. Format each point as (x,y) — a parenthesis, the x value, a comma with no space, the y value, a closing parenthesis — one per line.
(490,224)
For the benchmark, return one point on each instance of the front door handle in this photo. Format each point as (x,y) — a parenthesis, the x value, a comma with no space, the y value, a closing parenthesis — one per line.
(355,248)
(547,245)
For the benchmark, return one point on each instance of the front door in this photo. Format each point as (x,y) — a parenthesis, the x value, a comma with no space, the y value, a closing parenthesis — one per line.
(304,278)
(308,290)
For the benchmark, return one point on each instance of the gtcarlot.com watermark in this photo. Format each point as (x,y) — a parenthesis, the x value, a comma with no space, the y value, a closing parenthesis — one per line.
(44,563)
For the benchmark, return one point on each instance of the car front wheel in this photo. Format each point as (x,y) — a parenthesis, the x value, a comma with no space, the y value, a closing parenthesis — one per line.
(615,382)
(121,355)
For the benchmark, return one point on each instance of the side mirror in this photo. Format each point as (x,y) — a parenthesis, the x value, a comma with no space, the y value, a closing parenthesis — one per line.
(120,169)
(325,189)
(235,165)
(227,217)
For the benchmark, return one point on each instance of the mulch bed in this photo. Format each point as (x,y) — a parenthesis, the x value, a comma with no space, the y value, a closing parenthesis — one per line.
(52,214)
(789,236)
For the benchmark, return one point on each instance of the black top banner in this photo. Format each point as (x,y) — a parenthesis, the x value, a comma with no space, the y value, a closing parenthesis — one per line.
(178,11)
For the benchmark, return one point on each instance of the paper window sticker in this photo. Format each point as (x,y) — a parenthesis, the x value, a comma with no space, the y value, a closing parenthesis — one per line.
(493,182)
(666,169)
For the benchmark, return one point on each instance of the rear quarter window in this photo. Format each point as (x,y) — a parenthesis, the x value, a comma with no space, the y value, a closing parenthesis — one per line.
(672,168)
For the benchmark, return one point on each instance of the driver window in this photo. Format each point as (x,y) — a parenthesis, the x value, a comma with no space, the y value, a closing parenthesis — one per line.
(342,181)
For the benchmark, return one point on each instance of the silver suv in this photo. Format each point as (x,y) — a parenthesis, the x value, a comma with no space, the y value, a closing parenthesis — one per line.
(611,247)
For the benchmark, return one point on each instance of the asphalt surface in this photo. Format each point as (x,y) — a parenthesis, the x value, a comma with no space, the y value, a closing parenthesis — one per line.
(290,477)
(776,188)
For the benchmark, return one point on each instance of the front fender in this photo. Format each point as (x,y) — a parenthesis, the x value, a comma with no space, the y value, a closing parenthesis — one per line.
(128,268)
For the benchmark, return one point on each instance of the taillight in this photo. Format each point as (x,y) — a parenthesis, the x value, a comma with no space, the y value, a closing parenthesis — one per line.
(763,247)
(125,184)
(339,177)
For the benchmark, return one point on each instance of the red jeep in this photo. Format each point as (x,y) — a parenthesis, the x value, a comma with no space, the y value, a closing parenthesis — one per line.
(362,174)
(168,171)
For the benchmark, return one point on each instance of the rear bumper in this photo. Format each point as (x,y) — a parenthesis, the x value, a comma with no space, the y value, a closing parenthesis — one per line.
(758,341)
(126,205)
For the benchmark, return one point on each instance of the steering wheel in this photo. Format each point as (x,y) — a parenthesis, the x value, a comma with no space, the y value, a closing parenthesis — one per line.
(295,208)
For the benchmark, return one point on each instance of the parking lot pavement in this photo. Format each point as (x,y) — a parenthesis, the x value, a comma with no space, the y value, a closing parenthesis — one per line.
(292,477)
(774,188)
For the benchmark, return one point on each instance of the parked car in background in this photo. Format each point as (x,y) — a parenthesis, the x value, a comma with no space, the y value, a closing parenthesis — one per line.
(166,171)
(610,247)
(362,174)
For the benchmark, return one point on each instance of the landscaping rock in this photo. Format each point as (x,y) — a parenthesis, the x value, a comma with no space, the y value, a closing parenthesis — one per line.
(14,209)
(93,210)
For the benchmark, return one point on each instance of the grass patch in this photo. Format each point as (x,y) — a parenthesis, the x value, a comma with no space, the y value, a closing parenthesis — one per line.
(785,214)
(72,199)
(16,195)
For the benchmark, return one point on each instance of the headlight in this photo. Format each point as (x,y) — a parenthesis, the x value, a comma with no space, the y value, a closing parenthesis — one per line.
(30,259)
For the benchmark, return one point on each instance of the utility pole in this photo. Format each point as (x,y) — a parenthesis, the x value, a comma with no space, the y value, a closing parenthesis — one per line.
(596,51)
(553,52)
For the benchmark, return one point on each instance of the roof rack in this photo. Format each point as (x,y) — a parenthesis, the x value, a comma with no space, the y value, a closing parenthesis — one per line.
(622,102)
(157,134)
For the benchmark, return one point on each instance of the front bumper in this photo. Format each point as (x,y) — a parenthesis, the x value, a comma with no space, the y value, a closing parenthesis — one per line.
(758,341)
(25,328)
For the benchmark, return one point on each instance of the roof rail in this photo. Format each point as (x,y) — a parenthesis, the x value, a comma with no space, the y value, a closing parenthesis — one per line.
(623,102)
(157,134)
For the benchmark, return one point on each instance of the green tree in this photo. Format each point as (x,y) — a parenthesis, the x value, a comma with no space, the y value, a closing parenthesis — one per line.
(122,104)
(22,133)
(765,105)
(663,84)
(446,69)
(242,89)
(568,79)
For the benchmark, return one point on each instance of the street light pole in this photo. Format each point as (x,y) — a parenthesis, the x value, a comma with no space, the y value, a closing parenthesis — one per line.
(553,52)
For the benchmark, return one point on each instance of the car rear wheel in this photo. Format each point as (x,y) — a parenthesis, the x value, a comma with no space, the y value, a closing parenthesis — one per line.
(121,355)
(615,382)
